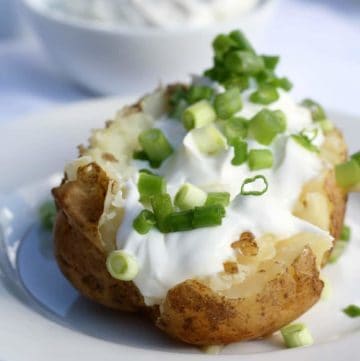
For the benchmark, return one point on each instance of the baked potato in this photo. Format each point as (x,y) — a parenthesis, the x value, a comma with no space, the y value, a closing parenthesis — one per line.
(268,280)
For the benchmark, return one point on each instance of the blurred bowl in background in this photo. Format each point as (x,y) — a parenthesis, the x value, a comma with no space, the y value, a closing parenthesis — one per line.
(110,59)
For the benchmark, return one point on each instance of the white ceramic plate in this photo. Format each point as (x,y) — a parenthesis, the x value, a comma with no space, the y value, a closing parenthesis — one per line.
(43,318)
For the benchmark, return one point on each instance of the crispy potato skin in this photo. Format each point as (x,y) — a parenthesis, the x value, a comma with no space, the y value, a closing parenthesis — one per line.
(191,311)
(195,314)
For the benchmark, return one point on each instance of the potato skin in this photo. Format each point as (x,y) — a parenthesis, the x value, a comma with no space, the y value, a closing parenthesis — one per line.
(191,311)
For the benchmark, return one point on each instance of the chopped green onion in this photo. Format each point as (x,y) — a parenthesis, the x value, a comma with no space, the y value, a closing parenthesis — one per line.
(252,181)
(347,174)
(337,251)
(296,335)
(305,142)
(352,311)
(243,62)
(155,145)
(122,266)
(198,115)
(140,155)
(218,198)
(239,81)
(235,128)
(271,61)
(180,221)
(47,213)
(266,94)
(345,233)
(266,124)
(177,101)
(144,221)
(189,196)
(317,111)
(199,92)
(240,152)
(150,185)
(260,159)
(208,216)
(241,41)
(356,156)
(283,83)
(222,44)
(326,125)
(162,207)
(228,103)
(209,140)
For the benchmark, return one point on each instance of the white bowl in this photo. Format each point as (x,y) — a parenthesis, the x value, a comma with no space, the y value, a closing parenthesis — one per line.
(112,59)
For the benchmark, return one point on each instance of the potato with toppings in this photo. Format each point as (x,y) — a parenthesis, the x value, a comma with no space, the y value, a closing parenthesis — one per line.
(165,213)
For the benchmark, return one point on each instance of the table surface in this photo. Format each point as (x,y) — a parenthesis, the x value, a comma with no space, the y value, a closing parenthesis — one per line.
(317,39)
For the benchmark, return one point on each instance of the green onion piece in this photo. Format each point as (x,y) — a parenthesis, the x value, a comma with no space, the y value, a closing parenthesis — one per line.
(317,111)
(270,61)
(305,142)
(266,124)
(199,92)
(356,157)
(242,43)
(208,216)
(177,101)
(228,103)
(155,145)
(296,335)
(248,181)
(198,115)
(283,83)
(326,125)
(235,128)
(266,94)
(243,62)
(47,214)
(222,44)
(239,81)
(345,233)
(180,221)
(240,152)
(352,311)
(150,185)
(337,251)
(162,207)
(122,266)
(144,221)
(218,199)
(189,196)
(260,159)
(178,109)
(347,174)
(209,140)
(140,155)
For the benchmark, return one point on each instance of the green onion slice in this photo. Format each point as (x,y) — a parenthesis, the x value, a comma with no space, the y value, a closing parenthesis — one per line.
(208,216)
(305,142)
(218,198)
(352,311)
(235,128)
(228,103)
(251,181)
(337,251)
(240,152)
(122,266)
(162,207)
(155,145)
(260,159)
(199,92)
(209,140)
(144,221)
(266,94)
(47,214)
(150,185)
(296,335)
(345,233)
(180,221)
(271,61)
(198,115)
(189,196)
(316,110)
(347,174)
(243,62)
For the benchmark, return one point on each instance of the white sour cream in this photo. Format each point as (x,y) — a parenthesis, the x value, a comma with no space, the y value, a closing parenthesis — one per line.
(152,13)
(168,259)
